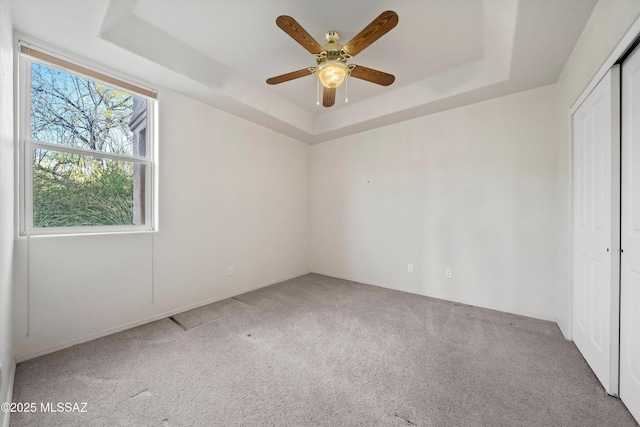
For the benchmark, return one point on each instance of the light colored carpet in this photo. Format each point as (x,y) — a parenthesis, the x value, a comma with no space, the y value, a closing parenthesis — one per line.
(322,351)
(207,313)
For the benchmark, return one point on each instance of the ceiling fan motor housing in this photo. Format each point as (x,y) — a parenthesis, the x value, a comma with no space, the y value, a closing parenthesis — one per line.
(332,49)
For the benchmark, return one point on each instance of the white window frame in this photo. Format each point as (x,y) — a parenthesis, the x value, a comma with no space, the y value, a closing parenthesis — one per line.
(27,146)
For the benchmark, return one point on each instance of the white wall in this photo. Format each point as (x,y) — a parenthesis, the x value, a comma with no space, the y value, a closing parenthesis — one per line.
(609,22)
(231,193)
(472,189)
(6,200)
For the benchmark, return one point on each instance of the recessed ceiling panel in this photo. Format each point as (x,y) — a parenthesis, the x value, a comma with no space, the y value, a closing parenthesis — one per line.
(243,36)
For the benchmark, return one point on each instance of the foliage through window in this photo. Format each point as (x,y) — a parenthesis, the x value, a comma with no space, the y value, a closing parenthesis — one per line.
(87,158)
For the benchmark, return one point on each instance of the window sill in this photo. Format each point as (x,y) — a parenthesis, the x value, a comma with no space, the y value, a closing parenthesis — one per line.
(86,232)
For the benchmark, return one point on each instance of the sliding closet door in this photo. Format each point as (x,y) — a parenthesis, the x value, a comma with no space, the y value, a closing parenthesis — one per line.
(596,142)
(630,234)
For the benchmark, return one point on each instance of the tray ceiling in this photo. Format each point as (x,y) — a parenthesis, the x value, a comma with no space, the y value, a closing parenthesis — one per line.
(443,53)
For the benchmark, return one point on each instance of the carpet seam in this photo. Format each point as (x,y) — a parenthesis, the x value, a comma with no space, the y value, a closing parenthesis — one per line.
(180,325)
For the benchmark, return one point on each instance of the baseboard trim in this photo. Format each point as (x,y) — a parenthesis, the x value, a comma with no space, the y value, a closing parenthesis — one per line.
(9,396)
(447,298)
(156,317)
(565,331)
(120,328)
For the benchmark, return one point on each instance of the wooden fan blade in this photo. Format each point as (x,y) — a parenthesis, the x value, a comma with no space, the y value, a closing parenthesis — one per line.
(329,97)
(373,76)
(289,76)
(299,34)
(372,32)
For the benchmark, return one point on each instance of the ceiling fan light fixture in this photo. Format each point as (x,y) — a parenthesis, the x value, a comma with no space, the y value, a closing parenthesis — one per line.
(331,59)
(332,73)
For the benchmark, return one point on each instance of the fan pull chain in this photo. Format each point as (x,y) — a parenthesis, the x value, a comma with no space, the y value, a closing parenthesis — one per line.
(317,91)
(346,88)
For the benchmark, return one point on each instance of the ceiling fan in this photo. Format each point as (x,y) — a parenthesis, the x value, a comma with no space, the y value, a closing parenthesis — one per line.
(332,68)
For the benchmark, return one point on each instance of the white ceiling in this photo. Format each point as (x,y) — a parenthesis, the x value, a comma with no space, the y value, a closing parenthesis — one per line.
(444,53)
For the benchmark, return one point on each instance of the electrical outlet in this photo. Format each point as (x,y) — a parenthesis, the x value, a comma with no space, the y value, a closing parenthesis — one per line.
(448,273)
(410,268)
(230,270)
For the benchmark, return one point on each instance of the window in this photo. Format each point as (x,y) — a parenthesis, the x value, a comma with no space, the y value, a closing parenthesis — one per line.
(87,151)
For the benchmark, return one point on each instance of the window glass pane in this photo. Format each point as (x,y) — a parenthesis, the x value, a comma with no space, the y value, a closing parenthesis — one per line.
(70,110)
(70,190)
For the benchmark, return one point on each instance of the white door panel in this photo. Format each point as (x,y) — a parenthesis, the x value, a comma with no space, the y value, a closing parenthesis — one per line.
(596,229)
(630,236)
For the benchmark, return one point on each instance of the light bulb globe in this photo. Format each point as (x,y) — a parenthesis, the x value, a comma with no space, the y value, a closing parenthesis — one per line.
(332,73)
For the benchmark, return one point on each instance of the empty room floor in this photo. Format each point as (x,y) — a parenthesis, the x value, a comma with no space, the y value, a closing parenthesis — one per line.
(316,350)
